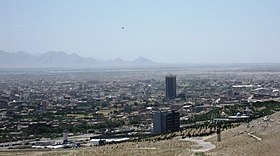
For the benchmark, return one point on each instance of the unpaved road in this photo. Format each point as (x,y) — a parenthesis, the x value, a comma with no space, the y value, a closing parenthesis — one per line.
(202,144)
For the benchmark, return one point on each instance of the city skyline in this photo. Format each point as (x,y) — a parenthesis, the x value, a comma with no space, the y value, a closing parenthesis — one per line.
(168,32)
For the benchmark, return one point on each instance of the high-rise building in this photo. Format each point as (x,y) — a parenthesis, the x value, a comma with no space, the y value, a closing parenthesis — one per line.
(165,122)
(170,84)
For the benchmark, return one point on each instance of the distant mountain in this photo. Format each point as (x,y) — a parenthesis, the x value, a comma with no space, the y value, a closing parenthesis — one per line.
(142,60)
(18,59)
(62,59)
(118,60)
(57,59)
(49,59)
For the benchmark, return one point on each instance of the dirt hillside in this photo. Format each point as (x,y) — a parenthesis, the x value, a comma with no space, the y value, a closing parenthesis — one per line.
(261,137)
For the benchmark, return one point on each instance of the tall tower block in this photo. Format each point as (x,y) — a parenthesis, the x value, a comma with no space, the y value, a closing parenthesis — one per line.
(170,84)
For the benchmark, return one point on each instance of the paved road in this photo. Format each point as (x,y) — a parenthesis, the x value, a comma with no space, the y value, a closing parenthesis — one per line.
(205,146)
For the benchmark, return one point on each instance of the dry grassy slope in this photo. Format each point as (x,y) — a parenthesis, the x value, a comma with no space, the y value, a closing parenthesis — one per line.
(236,141)
(145,148)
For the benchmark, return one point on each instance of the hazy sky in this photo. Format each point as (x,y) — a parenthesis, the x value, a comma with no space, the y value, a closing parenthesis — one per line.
(189,31)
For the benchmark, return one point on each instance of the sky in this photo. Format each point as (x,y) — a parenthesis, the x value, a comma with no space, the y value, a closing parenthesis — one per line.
(177,31)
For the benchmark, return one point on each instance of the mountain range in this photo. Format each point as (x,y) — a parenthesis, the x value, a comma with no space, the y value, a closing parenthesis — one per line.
(58,59)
